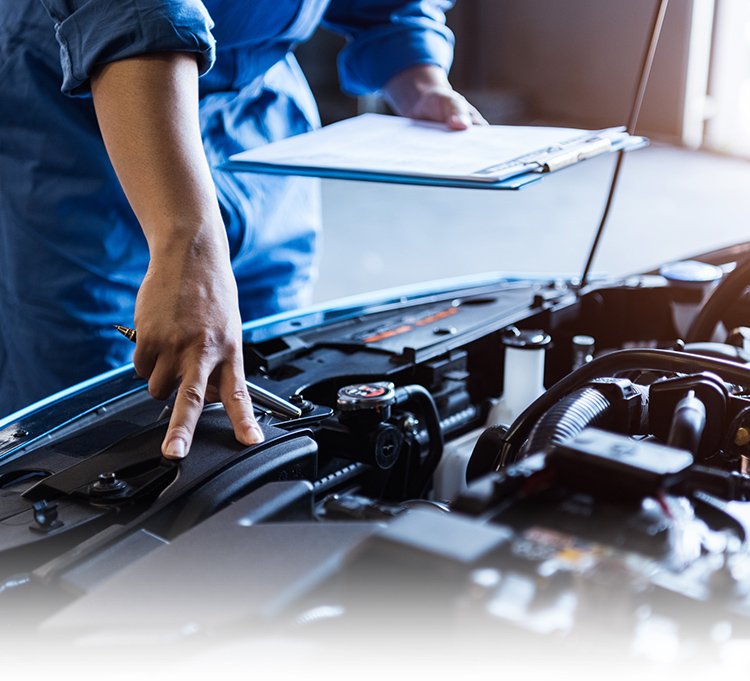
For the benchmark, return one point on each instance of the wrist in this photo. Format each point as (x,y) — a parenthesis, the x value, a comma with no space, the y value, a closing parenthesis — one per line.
(184,240)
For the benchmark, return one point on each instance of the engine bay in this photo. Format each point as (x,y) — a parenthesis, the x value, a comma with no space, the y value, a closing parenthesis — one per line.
(477,471)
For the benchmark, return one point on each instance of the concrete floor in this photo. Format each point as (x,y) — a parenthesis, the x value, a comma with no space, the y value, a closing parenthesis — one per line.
(671,203)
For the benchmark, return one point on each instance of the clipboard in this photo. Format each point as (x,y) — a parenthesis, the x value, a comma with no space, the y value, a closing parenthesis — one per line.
(380,148)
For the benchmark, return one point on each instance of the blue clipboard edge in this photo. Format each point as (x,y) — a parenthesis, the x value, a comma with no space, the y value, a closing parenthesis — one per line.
(628,144)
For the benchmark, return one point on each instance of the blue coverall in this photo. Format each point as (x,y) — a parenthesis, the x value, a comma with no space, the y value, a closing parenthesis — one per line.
(72,254)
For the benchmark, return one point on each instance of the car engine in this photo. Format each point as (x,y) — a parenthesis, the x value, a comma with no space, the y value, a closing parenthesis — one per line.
(479,473)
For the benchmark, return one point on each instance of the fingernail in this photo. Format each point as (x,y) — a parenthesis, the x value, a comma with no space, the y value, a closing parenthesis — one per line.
(256,434)
(175,449)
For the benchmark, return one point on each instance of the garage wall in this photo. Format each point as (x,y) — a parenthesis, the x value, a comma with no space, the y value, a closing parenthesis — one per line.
(576,62)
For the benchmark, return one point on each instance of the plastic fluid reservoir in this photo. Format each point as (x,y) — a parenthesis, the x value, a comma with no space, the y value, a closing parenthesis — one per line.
(690,282)
(523,382)
(523,379)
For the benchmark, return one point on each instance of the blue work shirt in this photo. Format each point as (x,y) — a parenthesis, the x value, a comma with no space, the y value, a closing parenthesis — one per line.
(72,254)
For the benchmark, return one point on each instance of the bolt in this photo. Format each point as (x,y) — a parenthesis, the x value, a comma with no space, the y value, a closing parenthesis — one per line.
(107,482)
(299,401)
(409,424)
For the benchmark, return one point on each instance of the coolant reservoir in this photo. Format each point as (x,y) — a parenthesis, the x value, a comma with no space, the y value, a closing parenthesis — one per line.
(523,379)
(523,382)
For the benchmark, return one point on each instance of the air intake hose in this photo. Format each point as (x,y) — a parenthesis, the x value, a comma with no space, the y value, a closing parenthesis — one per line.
(610,404)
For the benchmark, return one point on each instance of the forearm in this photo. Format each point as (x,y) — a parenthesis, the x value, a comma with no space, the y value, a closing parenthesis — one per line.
(147,109)
(186,312)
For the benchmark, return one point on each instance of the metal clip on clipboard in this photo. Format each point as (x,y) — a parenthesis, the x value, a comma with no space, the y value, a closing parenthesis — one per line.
(568,157)
(557,157)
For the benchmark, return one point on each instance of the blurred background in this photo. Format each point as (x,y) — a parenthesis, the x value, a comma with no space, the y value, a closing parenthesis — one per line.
(569,64)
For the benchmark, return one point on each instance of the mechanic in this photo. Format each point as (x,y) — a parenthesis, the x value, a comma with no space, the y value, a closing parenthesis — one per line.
(109,184)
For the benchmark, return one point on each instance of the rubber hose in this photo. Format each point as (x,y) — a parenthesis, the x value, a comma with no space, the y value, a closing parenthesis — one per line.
(580,409)
(610,365)
(726,293)
(429,410)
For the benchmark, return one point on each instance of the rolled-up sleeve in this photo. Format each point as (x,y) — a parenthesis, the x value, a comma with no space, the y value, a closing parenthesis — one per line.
(93,32)
(386,37)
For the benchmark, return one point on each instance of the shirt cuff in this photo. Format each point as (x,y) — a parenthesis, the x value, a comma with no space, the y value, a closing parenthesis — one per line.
(99,32)
(367,63)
